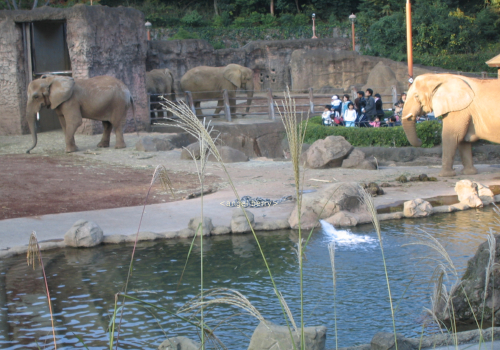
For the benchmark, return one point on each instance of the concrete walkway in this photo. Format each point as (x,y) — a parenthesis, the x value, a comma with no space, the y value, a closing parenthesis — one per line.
(157,218)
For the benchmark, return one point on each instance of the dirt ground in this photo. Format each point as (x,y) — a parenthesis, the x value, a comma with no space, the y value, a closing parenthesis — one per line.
(50,181)
(34,184)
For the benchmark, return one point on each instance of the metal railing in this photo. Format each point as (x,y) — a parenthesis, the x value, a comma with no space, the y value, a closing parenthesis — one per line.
(263,103)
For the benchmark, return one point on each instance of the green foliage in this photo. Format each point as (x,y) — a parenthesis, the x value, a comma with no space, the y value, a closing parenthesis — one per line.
(429,132)
(439,33)
(193,19)
(219,45)
(183,34)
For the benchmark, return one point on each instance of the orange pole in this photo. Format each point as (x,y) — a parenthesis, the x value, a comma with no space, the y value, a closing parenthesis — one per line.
(409,42)
(149,35)
(353,43)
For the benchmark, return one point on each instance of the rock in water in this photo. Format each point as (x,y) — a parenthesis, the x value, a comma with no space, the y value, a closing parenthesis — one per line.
(385,341)
(179,343)
(84,234)
(239,222)
(417,208)
(471,290)
(270,336)
(342,196)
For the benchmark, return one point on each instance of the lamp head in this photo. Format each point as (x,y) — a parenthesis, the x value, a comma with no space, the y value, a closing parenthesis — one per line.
(148,25)
(313,15)
(352,18)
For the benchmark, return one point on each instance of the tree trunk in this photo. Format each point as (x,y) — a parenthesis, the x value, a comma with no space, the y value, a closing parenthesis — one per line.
(216,8)
(297,5)
(272,8)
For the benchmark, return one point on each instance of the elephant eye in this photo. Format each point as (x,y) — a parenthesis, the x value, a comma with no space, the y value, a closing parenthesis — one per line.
(36,95)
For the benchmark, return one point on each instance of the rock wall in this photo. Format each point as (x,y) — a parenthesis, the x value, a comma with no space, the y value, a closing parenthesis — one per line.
(324,64)
(270,60)
(12,79)
(101,41)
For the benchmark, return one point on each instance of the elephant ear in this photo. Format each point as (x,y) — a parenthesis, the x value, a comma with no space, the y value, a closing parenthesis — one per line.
(232,73)
(61,90)
(453,94)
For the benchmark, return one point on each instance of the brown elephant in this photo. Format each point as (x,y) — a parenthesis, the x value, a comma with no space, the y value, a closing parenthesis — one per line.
(469,110)
(208,82)
(160,81)
(100,98)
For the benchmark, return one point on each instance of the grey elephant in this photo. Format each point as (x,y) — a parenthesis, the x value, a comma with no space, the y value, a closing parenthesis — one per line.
(160,81)
(208,82)
(100,98)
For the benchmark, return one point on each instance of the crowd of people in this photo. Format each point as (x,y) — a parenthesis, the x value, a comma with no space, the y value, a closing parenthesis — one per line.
(366,111)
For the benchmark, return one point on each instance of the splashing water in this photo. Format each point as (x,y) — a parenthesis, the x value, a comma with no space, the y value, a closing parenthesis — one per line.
(345,237)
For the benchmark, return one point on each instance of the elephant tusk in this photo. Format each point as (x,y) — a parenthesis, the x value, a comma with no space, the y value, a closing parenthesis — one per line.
(408,116)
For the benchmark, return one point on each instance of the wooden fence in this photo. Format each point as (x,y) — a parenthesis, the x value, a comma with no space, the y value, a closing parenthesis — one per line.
(263,103)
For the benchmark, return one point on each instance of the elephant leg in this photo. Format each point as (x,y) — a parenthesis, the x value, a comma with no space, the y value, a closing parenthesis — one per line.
(220,106)
(450,141)
(106,134)
(465,150)
(232,105)
(71,125)
(62,122)
(118,120)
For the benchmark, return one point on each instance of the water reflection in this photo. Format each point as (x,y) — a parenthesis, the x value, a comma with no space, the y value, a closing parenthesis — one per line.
(83,283)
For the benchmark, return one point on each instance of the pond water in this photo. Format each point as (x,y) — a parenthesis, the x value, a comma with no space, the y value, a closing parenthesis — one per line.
(83,283)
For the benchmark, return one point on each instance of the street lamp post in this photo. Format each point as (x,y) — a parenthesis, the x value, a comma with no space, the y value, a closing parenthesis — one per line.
(352,18)
(148,26)
(409,42)
(314,27)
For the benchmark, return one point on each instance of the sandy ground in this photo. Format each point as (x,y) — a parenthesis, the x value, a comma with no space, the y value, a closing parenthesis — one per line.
(109,168)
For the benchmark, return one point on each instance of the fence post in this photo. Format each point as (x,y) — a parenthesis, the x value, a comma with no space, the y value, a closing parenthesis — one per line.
(190,102)
(484,75)
(311,100)
(394,90)
(270,103)
(227,107)
(149,109)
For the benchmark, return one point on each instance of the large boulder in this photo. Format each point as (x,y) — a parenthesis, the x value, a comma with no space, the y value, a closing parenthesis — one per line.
(381,79)
(327,153)
(84,234)
(469,297)
(417,208)
(179,343)
(356,160)
(267,335)
(229,155)
(190,151)
(340,197)
(163,142)
(474,194)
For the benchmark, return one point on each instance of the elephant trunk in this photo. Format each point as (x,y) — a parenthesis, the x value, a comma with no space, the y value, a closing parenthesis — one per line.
(409,126)
(31,118)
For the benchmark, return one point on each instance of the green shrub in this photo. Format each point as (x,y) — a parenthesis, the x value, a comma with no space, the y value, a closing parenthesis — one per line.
(183,34)
(219,45)
(193,19)
(302,19)
(429,132)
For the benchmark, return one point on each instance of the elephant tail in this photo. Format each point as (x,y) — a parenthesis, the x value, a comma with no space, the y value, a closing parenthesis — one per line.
(133,114)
